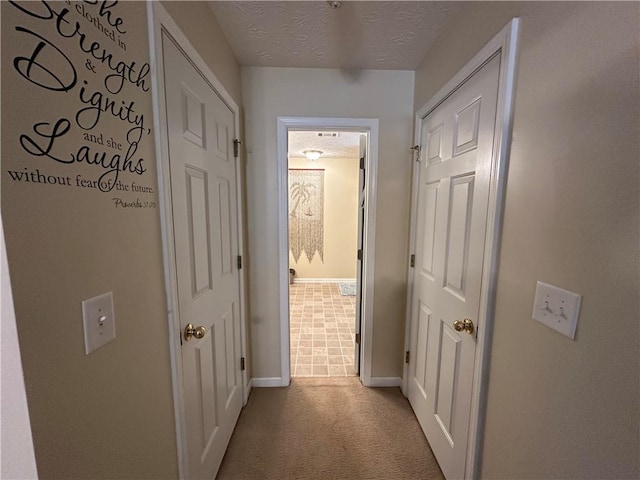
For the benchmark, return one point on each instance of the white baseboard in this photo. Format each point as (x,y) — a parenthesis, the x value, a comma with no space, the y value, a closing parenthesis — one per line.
(385,382)
(266,382)
(323,280)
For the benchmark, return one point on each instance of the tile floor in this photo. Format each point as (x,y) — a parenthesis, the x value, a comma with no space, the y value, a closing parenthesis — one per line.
(322,330)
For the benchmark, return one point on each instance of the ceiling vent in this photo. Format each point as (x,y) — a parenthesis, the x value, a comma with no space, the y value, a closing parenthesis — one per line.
(328,134)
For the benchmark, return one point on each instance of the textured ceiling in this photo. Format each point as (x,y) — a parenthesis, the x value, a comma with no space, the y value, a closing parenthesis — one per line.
(345,145)
(391,35)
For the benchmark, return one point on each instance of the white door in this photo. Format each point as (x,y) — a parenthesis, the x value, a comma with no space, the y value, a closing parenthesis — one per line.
(453,194)
(359,278)
(203,194)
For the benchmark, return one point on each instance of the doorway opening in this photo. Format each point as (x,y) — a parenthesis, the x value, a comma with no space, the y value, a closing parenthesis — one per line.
(300,197)
(325,201)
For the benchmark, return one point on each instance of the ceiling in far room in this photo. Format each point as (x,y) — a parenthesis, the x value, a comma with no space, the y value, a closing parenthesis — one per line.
(342,145)
(388,35)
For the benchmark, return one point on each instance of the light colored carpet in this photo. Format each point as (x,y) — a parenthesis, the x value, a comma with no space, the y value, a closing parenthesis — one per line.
(347,289)
(328,429)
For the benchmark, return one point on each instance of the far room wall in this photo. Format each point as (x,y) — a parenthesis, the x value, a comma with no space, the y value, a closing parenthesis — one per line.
(340,221)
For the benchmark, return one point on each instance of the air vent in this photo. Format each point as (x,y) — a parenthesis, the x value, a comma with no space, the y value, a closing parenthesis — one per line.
(328,134)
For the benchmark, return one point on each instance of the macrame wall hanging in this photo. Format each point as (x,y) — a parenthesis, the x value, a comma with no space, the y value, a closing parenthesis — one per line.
(306,213)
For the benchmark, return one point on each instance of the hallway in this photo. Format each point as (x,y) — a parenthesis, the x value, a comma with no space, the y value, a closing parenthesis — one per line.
(326,429)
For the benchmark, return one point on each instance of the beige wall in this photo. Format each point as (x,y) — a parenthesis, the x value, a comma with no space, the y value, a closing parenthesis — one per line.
(108,414)
(340,220)
(200,26)
(556,407)
(386,95)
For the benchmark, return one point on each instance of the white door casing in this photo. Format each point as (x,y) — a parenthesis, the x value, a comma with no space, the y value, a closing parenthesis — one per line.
(199,182)
(458,189)
(362,198)
(370,126)
(16,449)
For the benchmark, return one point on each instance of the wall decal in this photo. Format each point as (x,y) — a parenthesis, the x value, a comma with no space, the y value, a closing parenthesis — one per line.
(306,213)
(87,134)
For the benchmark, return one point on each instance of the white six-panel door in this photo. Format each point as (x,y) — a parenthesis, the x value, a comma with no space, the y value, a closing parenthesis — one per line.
(204,202)
(453,194)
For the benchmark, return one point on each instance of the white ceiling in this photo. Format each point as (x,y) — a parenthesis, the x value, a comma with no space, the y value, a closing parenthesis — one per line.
(389,35)
(345,145)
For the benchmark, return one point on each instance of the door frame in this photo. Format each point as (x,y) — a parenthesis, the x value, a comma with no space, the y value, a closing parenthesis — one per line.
(505,44)
(159,21)
(364,125)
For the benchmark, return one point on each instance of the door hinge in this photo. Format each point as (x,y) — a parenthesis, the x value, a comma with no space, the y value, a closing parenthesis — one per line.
(413,260)
(359,254)
(242,367)
(236,147)
(406,356)
(358,338)
(361,163)
(416,149)
(239,262)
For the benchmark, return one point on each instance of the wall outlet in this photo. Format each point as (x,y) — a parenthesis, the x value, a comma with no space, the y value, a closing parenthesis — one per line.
(99,322)
(557,308)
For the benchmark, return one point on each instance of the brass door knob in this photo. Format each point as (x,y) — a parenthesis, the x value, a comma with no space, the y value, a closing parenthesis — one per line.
(191,331)
(463,325)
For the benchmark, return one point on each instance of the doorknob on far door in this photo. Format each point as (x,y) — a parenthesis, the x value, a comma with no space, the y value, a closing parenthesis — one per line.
(463,325)
(191,331)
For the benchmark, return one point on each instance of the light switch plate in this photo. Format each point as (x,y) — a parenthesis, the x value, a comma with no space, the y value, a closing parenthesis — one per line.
(99,321)
(557,308)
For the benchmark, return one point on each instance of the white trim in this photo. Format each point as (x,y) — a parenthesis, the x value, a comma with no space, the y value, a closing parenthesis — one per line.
(369,125)
(158,21)
(18,457)
(262,382)
(504,43)
(415,172)
(323,280)
(385,382)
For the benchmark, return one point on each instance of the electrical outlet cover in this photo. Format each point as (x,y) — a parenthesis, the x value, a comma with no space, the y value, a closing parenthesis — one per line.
(557,308)
(99,322)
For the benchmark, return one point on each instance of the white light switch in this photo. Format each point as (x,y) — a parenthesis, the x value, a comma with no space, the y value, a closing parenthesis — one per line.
(557,308)
(99,321)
